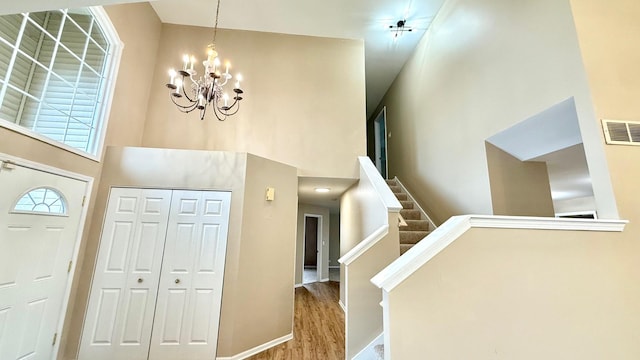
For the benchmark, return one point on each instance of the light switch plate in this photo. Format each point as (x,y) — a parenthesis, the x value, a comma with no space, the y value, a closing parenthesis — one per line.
(271,194)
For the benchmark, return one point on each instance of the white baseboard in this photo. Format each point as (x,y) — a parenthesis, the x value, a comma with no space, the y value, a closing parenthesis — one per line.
(342,306)
(324,280)
(259,348)
(298,285)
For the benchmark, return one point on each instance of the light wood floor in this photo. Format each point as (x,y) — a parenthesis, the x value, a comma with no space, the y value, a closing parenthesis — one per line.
(318,326)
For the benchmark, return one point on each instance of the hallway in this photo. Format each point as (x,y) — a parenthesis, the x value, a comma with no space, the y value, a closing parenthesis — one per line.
(318,326)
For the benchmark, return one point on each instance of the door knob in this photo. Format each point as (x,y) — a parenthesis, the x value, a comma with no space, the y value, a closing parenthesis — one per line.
(177,281)
(140,280)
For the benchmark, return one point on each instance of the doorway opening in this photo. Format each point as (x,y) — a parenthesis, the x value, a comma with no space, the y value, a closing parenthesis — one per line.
(380,142)
(311,271)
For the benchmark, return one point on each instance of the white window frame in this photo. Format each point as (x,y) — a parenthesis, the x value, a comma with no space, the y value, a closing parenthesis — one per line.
(112,67)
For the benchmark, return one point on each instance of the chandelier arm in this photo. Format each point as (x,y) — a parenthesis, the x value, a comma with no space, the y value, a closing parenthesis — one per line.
(216,110)
(227,113)
(179,105)
(184,91)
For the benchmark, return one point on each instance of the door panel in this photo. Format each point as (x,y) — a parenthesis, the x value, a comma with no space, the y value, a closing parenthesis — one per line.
(125,283)
(35,251)
(189,295)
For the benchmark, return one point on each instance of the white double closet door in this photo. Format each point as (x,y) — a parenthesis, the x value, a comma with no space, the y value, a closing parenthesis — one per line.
(157,286)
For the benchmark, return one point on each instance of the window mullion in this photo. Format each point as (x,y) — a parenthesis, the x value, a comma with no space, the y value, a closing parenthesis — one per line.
(14,55)
(32,70)
(77,83)
(45,88)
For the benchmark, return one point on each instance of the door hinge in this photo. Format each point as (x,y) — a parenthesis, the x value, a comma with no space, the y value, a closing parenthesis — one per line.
(55,337)
(69,267)
(84,199)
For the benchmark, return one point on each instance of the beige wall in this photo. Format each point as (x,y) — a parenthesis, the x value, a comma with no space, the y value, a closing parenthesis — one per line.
(521,294)
(361,213)
(363,319)
(259,306)
(323,243)
(259,232)
(304,99)
(610,57)
(484,66)
(519,188)
(334,240)
(139,29)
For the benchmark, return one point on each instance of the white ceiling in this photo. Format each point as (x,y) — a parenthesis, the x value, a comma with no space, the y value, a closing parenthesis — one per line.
(352,19)
(551,130)
(331,200)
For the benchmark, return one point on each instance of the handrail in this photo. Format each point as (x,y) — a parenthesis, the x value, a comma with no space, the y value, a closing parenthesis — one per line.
(364,245)
(447,233)
(431,223)
(387,197)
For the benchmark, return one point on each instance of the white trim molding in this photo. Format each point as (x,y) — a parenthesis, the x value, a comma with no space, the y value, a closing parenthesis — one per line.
(387,197)
(364,245)
(258,349)
(344,309)
(447,233)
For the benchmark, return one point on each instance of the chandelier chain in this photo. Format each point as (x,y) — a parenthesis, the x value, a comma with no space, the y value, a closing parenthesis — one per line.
(215,27)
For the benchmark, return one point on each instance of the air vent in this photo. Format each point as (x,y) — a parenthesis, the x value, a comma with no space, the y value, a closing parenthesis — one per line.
(621,132)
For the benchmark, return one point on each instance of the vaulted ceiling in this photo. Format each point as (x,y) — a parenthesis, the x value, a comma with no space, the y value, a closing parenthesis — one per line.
(368,20)
(354,19)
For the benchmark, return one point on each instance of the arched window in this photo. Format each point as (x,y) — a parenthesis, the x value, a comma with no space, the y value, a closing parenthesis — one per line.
(55,75)
(41,201)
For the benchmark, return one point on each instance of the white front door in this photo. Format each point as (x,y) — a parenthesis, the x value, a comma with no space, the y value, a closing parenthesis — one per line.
(39,222)
(190,292)
(125,281)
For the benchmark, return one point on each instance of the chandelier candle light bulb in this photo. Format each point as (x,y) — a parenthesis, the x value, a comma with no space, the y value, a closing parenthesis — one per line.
(172,75)
(185,58)
(189,92)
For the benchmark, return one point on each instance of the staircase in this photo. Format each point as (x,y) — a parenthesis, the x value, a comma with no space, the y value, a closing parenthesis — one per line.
(416,224)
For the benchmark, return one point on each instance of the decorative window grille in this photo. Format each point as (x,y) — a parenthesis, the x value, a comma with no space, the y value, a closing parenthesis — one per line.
(55,67)
(41,201)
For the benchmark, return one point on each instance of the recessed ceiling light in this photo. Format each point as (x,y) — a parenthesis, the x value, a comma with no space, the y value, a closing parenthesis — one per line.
(322,190)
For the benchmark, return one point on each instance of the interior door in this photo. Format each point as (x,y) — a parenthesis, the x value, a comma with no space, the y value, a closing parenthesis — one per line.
(125,282)
(40,217)
(190,292)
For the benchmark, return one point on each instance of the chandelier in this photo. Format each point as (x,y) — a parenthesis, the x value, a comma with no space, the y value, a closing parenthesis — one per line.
(189,93)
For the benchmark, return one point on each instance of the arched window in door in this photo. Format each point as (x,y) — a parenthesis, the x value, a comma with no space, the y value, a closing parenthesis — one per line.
(42,200)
